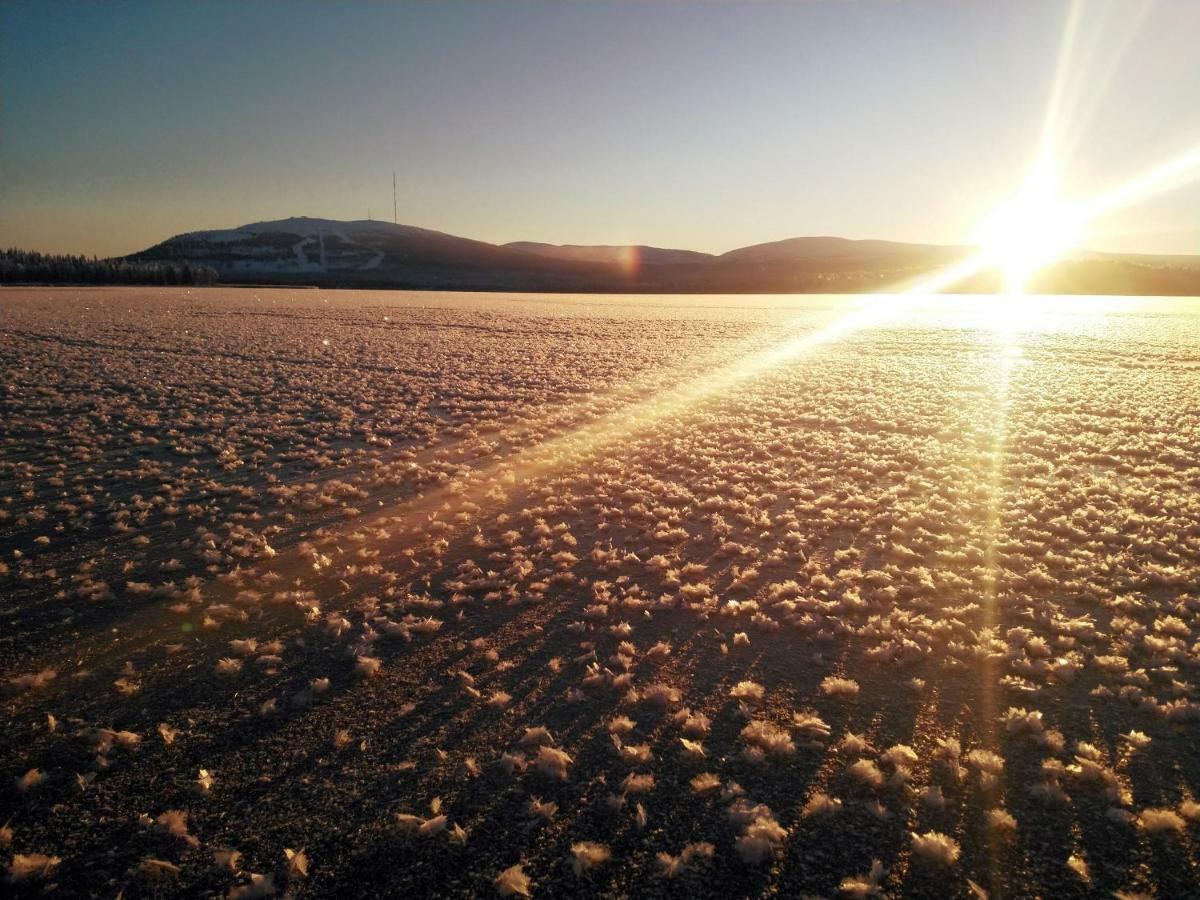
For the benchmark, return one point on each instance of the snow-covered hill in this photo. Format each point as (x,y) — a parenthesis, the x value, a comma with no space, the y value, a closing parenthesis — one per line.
(333,253)
(302,245)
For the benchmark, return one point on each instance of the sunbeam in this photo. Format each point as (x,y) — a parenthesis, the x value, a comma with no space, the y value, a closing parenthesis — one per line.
(748,462)
(1168,175)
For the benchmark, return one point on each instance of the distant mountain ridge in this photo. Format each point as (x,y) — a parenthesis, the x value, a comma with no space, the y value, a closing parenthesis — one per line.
(368,253)
(619,254)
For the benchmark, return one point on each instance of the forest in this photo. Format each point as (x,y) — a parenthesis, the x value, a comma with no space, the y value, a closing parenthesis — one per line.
(29,267)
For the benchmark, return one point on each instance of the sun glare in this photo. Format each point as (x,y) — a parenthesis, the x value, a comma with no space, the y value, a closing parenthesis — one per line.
(1028,232)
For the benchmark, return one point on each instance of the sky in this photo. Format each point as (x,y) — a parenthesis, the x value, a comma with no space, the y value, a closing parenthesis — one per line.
(707,125)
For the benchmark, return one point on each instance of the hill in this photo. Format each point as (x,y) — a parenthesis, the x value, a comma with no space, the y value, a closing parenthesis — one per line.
(332,253)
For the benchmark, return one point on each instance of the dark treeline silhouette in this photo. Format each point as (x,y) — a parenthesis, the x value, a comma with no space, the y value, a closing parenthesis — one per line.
(29,267)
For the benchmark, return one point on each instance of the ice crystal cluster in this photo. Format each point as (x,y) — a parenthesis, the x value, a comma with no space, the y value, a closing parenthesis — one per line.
(456,595)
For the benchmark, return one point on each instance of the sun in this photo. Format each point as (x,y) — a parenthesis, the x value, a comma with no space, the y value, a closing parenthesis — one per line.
(1028,232)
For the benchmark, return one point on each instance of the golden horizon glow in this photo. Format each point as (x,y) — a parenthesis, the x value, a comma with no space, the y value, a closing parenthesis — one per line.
(1036,227)
(1029,232)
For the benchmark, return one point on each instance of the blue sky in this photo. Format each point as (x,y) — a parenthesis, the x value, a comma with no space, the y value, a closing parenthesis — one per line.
(707,125)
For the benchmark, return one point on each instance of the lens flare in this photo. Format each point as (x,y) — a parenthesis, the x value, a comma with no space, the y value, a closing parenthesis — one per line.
(1030,231)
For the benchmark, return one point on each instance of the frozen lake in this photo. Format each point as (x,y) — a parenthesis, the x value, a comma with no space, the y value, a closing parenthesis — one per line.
(643,595)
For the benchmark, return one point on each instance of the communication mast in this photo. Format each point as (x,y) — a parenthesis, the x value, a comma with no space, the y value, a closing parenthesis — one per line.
(395,221)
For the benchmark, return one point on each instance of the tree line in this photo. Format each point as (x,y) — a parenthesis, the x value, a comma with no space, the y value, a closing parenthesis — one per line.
(28,266)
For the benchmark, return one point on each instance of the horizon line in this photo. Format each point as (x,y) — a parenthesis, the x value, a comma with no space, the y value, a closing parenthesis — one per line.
(794,237)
